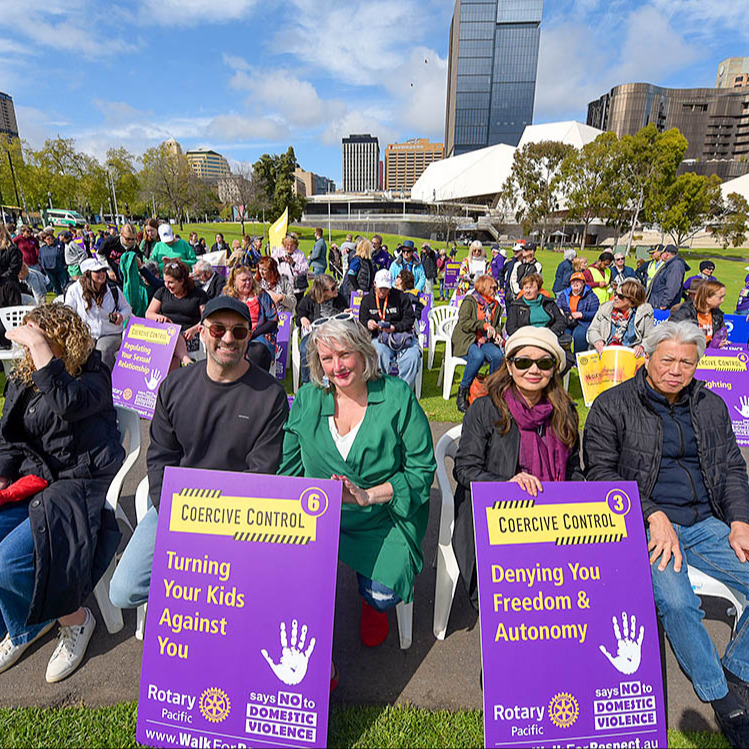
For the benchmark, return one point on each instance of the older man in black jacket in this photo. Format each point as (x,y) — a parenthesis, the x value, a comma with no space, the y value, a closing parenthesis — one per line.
(666,431)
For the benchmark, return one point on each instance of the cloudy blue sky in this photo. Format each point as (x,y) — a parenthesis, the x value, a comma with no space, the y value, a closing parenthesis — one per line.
(247,77)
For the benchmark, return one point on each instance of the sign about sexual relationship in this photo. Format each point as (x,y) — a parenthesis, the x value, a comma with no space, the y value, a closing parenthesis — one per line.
(239,628)
(569,636)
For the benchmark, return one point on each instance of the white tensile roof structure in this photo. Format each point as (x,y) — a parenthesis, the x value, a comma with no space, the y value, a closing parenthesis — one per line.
(739,185)
(483,172)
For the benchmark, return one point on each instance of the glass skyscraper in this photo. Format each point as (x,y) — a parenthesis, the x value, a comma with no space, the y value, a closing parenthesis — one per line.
(491,80)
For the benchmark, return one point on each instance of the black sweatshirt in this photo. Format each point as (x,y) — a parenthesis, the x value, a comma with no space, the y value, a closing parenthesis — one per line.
(199,423)
(399,311)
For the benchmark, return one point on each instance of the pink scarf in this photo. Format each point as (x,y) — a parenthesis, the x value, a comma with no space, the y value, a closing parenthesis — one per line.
(542,453)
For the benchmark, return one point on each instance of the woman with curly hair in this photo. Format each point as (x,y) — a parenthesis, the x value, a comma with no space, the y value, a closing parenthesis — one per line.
(59,450)
(103,308)
(242,285)
(278,286)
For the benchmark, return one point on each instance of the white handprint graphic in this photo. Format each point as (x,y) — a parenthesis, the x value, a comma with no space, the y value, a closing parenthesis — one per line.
(153,379)
(294,660)
(744,403)
(629,650)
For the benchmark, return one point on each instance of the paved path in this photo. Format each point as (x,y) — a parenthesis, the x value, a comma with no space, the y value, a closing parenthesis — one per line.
(431,674)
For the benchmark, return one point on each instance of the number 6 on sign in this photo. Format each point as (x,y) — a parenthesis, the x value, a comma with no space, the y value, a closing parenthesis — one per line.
(314,502)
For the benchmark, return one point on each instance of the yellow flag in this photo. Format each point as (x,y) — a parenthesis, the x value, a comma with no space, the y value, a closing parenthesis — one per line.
(277,232)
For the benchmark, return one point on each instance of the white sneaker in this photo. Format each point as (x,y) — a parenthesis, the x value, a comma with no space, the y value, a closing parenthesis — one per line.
(10,653)
(70,649)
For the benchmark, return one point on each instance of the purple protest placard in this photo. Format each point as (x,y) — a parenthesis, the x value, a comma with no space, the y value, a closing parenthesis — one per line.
(452,271)
(569,636)
(355,301)
(142,363)
(283,339)
(724,371)
(423,322)
(239,629)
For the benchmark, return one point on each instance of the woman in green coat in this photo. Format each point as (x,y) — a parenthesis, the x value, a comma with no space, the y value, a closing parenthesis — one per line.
(368,430)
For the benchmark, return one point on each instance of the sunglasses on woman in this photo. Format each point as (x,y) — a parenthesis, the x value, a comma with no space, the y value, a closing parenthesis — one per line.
(525,362)
(240,332)
(343,317)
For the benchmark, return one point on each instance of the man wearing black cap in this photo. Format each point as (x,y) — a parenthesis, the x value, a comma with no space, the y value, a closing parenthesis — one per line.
(221,414)
(665,289)
(707,268)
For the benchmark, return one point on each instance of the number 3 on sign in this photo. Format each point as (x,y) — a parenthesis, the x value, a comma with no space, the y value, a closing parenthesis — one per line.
(314,502)
(618,502)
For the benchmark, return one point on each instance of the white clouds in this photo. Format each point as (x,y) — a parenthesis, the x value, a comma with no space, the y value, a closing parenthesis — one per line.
(238,128)
(191,12)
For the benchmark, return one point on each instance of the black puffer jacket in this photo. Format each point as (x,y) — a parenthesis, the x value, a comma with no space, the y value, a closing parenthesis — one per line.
(66,434)
(623,441)
(486,455)
(687,311)
(10,263)
(519,315)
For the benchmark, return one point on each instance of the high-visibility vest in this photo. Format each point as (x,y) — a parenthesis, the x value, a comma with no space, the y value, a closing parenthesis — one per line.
(602,292)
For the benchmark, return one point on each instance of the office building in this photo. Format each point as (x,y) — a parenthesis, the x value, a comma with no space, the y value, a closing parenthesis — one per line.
(491,73)
(733,73)
(715,121)
(8,123)
(309,183)
(406,162)
(208,165)
(361,163)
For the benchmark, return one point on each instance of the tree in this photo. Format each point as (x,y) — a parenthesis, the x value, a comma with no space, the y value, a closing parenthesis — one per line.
(120,165)
(730,223)
(248,193)
(684,207)
(171,181)
(275,174)
(446,219)
(587,174)
(535,186)
(647,165)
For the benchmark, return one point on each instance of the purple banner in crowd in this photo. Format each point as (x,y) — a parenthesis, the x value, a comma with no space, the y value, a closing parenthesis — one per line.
(569,636)
(142,364)
(283,341)
(355,301)
(239,628)
(423,322)
(724,371)
(737,326)
(452,271)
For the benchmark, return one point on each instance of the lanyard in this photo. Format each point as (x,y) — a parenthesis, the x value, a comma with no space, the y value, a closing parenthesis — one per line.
(382,310)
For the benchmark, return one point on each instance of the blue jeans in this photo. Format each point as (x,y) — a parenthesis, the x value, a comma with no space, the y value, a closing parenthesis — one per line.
(705,546)
(409,360)
(17,574)
(578,334)
(132,577)
(304,369)
(476,357)
(377,595)
(442,288)
(58,279)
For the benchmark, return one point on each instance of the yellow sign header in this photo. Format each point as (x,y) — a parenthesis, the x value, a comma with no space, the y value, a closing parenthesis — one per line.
(152,335)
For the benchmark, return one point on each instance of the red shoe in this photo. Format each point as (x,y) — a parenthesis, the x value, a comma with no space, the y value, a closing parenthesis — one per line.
(334,678)
(374,626)
(21,489)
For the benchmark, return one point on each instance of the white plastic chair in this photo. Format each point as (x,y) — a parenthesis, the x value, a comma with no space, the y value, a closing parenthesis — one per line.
(296,359)
(142,504)
(705,585)
(128,423)
(436,316)
(405,615)
(447,564)
(450,362)
(11,317)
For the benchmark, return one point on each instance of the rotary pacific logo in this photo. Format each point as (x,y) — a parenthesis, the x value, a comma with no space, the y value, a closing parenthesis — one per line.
(214,704)
(127,394)
(563,710)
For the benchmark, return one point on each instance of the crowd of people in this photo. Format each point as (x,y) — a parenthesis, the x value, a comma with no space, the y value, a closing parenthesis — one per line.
(357,419)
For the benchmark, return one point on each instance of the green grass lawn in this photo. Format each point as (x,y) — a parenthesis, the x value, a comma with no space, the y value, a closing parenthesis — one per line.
(400,726)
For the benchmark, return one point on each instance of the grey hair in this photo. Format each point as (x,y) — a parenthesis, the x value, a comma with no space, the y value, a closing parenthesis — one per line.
(203,265)
(684,332)
(348,334)
(570,254)
(476,245)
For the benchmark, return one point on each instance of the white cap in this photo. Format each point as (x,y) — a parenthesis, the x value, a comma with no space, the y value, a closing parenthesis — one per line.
(518,246)
(383,279)
(93,264)
(165,233)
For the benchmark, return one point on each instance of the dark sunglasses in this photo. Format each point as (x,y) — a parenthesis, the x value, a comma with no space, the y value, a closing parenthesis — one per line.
(240,332)
(525,362)
(622,296)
